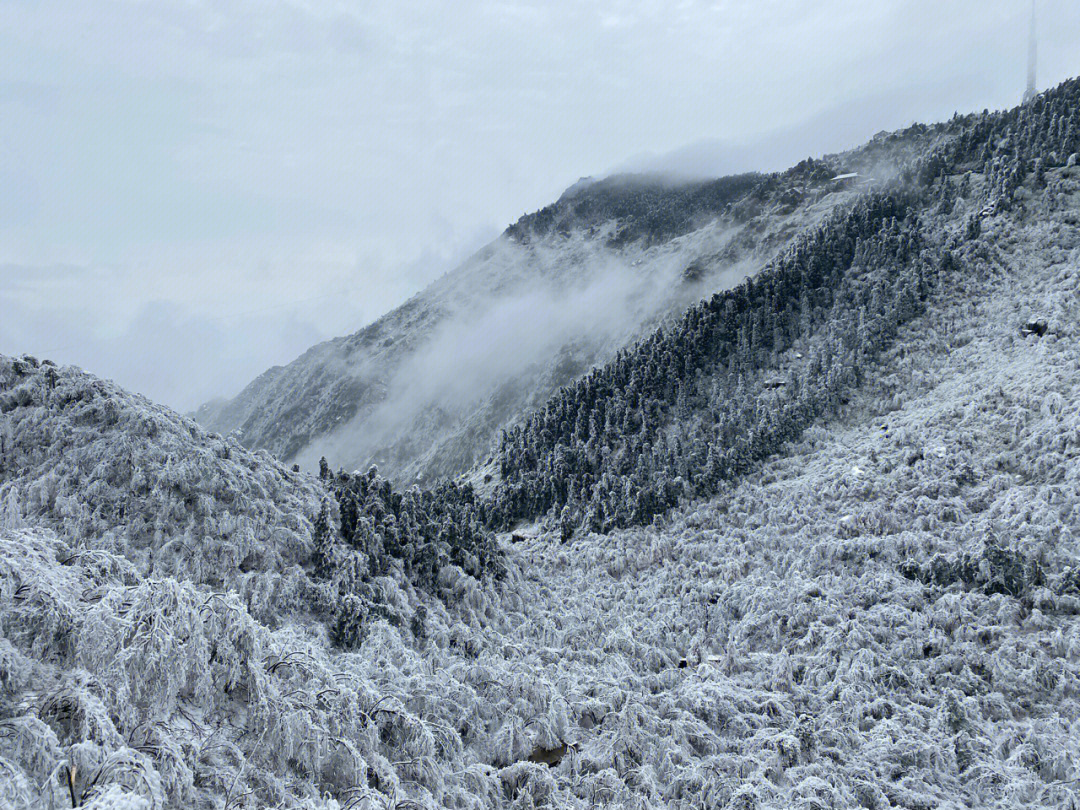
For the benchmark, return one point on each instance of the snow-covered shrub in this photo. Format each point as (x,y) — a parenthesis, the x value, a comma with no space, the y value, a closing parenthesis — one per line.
(113,471)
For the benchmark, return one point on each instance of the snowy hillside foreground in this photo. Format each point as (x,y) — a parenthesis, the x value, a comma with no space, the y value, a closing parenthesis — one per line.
(112,469)
(886,614)
(163,636)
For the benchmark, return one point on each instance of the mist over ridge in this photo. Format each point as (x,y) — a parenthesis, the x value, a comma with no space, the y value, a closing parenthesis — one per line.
(424,391)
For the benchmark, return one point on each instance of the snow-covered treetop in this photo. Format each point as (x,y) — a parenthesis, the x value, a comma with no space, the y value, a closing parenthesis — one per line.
(110,469)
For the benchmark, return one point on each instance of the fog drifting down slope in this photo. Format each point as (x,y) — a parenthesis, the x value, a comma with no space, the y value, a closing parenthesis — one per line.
(557,310)
(521,320)
(424,390)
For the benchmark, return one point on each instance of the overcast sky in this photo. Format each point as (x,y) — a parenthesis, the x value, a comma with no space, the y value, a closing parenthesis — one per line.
(194,190)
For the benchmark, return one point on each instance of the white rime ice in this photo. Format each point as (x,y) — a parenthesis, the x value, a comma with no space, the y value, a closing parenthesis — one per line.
(885,613)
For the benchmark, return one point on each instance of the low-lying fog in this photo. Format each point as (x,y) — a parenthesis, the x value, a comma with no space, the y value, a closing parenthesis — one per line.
(574,301)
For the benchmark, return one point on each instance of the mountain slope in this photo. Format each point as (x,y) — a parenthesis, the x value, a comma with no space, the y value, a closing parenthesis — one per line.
(714,392)
(887,614)
(871,604)
(424,390)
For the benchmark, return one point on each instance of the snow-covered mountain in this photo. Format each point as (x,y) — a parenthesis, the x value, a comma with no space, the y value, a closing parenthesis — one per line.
(813,542)
(423,391)
(166,594)
(111,469)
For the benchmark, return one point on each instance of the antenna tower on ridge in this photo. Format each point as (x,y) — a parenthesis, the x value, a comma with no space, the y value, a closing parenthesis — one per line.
(1033,58)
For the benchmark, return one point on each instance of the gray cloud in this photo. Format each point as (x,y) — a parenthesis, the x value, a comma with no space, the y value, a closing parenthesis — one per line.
(223,155)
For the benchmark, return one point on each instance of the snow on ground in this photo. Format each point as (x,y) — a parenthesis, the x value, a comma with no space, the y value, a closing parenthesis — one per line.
(885,616)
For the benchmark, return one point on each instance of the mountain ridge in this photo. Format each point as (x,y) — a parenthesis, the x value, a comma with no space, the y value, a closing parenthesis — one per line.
(624,238)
